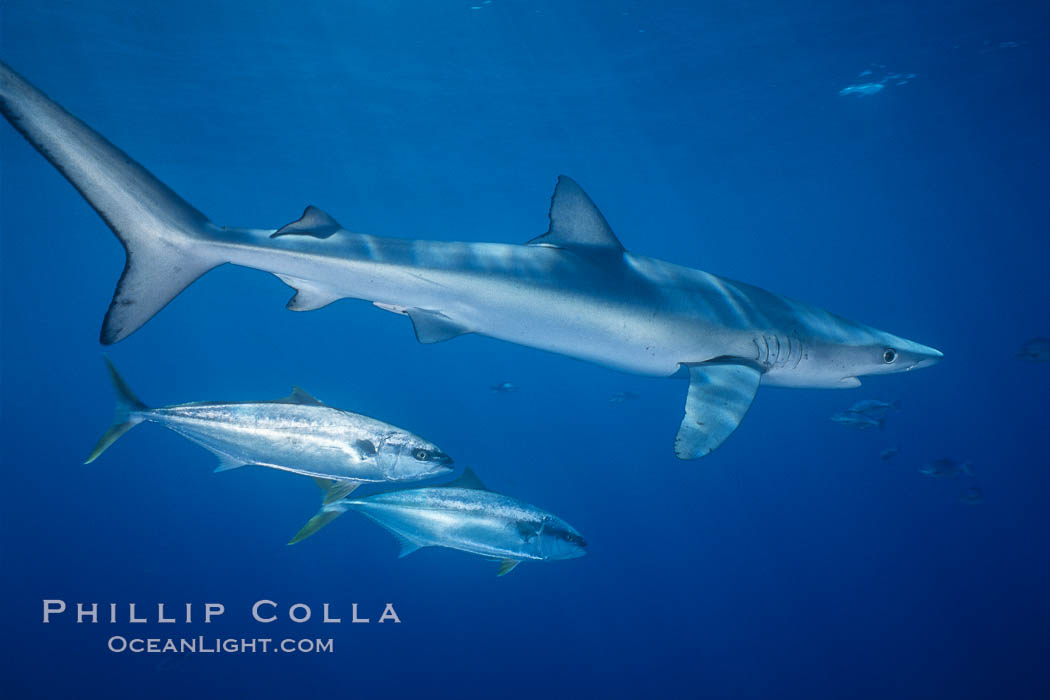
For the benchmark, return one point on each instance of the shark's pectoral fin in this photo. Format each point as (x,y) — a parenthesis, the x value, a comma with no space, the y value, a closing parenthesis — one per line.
(308,295)
(720,392)
(576,222)
(433,326)
(313,222)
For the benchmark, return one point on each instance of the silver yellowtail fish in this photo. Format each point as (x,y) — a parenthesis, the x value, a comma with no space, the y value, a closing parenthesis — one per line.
(296,434)
(462,515)
(574,290)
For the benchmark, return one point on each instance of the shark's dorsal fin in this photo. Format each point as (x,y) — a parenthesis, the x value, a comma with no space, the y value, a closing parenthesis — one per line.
(467,480)
(576,222)
(313,222)
(301,397)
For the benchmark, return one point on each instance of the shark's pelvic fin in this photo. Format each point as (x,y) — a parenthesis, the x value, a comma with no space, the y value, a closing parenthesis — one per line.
(720,392)
(308,295)
(162,234)
(313,222)
(433,326)
(576,222)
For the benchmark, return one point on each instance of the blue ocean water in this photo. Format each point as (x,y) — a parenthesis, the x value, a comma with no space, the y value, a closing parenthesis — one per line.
(792,562)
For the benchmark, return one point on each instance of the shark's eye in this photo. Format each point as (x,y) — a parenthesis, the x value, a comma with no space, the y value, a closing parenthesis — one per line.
(889,355)
(421,455)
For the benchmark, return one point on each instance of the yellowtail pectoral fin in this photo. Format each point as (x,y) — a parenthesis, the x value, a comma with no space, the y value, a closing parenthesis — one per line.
(335,489)
(506,566)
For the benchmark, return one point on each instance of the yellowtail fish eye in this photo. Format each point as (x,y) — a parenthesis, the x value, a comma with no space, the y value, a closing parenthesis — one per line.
(889,355)
(421,455)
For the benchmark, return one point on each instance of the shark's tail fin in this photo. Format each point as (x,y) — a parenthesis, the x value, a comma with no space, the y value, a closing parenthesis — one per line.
(123,417)
(160,231)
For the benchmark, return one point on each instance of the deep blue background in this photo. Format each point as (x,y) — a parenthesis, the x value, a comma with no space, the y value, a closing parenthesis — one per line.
(792,562)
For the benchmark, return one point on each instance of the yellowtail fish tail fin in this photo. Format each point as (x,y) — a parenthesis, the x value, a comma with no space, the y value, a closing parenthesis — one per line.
(335,489)
(163,235)
(124,416)
(324,516)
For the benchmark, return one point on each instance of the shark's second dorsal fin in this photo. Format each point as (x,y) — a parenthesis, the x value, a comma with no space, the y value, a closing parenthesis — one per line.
(313,222)
(576,222)
(467,480)
(301,397)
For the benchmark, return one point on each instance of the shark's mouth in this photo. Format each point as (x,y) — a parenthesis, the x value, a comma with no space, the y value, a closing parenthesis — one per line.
(849,382)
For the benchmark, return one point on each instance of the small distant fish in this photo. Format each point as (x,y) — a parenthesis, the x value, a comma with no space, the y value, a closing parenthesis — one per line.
(889,453)
(972,496)
(504,388)
(462,515)
(873,408)
(945,467)
(621,396)
(297,434)
(1035,350)
(857,421)
(862,89)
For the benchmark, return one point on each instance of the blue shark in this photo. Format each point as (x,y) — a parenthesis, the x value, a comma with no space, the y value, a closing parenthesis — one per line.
(575,290)
(462,515)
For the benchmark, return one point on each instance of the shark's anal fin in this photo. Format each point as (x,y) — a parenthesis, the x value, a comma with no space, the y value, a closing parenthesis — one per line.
(433,326)
(313,222)
(308,295)
(506,566)
(576,222)
(335,489)
(720,392)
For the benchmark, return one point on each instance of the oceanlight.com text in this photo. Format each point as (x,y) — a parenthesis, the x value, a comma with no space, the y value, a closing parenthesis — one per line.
(218,645)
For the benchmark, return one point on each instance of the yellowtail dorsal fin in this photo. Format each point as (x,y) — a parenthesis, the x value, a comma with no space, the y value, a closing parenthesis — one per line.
(335,489)
(506,566)
(467,480)
(300,396)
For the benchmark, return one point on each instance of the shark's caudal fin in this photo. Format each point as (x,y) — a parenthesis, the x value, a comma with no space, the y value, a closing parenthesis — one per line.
(123,418)
(160,231)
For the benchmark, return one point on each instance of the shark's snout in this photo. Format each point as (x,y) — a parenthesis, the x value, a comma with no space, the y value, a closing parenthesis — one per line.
(926,357)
